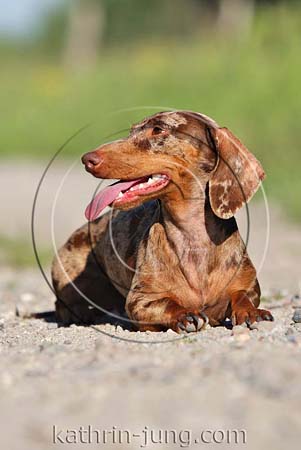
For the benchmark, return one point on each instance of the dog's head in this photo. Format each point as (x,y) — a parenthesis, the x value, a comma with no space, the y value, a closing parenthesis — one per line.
(172,152)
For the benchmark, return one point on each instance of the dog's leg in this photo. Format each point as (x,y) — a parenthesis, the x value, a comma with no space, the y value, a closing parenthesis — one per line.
(244,309)
(77,276)
(73,306)
(162,314)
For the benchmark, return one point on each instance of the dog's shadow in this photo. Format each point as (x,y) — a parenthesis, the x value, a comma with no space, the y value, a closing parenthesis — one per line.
(50,317)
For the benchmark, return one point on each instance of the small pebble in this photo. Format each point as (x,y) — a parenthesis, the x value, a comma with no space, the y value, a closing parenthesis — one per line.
(242,337)
(27,297)
(241,334)
(297,315)
(240,330)
(171,332)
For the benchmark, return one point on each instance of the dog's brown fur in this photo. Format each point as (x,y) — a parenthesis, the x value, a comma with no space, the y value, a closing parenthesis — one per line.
(177,255)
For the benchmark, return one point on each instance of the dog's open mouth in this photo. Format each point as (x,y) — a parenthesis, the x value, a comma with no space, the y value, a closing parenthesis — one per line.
(123,192)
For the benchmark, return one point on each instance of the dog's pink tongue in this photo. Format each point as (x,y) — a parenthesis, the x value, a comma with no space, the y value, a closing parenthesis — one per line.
(106,196)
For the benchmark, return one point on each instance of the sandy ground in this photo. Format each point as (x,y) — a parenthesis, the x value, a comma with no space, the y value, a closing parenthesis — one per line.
(67,378)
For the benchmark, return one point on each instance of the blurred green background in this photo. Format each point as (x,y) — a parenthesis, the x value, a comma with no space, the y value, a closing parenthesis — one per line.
(68,63)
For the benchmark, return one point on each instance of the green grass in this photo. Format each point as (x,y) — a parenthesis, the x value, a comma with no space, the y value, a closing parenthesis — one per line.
(251,86)
(19,253)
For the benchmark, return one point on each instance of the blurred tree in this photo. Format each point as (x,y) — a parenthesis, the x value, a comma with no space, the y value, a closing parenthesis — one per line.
(235,16)
(136,20)
(84,34)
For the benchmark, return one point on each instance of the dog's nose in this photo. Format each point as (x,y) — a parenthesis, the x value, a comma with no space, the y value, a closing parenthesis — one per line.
(91,159)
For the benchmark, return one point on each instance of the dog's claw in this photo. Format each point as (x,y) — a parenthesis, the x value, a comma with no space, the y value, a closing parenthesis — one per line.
(204,317)
(191,323)
(269,317)
(250,316)
(200,323)
(190,328)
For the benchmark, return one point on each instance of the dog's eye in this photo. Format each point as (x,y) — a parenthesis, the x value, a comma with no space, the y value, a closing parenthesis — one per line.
(157,130)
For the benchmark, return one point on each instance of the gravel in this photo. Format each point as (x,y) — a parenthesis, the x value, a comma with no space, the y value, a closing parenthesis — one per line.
(218,379)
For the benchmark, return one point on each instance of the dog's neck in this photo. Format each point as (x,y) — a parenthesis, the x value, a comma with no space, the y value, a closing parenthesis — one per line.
(183,213)
(184,220)
(194,232)
(184,223)
(189,218)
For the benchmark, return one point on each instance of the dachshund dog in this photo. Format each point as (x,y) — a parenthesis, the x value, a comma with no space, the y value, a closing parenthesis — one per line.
(169,252)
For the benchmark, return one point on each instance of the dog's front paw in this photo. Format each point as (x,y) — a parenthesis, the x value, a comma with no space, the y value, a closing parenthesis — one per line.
(191,322)
(250,315)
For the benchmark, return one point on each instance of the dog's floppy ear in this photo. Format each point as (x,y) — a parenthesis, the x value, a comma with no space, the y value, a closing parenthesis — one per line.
(237,174)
